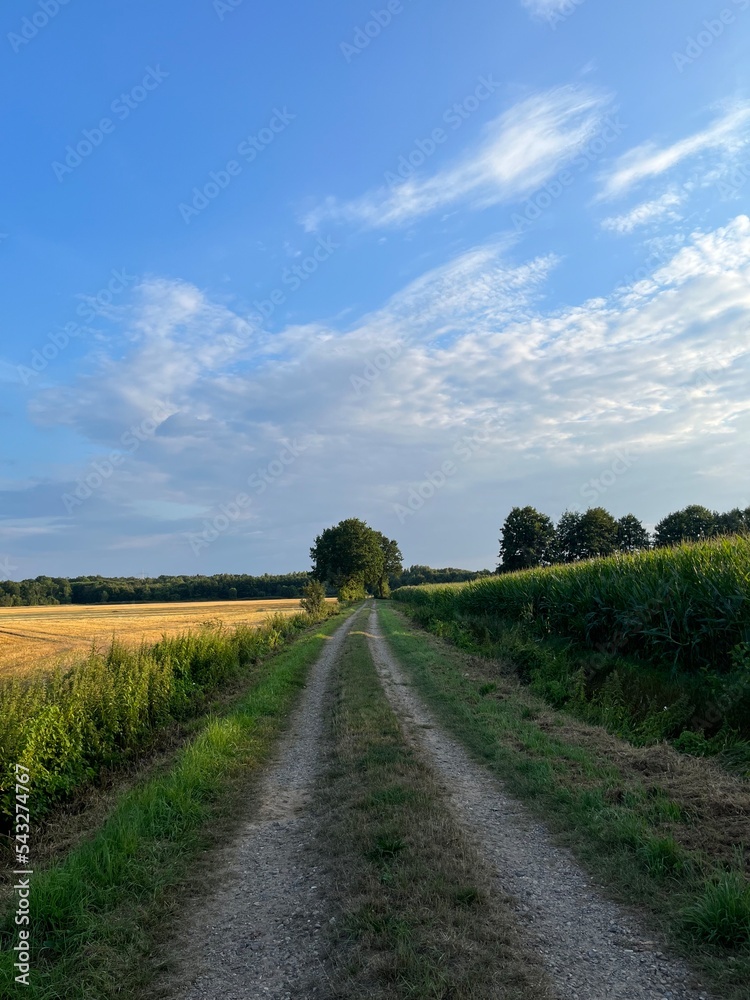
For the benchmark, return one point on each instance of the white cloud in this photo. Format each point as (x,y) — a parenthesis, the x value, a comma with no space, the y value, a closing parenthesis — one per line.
(545,8)
(727,134)
(520,151)
(657,210)
(659,369)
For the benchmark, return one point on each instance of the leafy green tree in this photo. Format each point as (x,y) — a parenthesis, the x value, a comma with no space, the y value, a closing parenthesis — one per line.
(631,535)
(598,533)
(568,537)
(586,536)
(527,540)
(348,555)
(734,522)
(693,524)
(392,564)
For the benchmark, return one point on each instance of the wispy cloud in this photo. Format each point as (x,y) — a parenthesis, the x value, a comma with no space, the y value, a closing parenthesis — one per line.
(565,388)
(543,8)
(727,133)
(519,152)
(657,210)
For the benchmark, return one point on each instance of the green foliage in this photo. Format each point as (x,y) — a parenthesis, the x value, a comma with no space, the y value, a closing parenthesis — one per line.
(222,587)
(414,576)
(528,540)
(314,598)
(631,535)
(650,645)
(392,560)
(722,915)
(693,524)
(685,607)
(67,727)
(352,591)
(352,557)
(126,590)
(586,536)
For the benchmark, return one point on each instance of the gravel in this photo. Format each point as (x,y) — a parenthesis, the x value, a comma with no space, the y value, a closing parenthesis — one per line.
(261,932)
(592,948)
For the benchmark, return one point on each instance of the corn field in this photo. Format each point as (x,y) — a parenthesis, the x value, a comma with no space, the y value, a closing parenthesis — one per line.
(687,607)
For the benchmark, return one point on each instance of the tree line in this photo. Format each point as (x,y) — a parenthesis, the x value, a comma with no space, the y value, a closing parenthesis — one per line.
(530,538)
(166,589)
(134,590)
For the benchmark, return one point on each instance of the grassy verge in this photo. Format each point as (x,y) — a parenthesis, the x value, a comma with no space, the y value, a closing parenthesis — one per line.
(96,914)
(657,829)
(69,727)
(652,645)
(702,714)
(416,920)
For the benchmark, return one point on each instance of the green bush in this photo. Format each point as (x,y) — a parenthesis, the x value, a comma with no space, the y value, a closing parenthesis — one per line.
(352,591)
(314,598)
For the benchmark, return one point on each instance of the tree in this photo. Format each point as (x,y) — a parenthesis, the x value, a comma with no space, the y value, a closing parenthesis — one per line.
(598,533)
(734,522)
(631,535)
(693,524)
(349,556)
(568,536)
(586,536)
(527,539)
(392,564)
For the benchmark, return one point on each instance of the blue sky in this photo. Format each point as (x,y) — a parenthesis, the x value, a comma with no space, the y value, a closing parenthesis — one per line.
(265,266)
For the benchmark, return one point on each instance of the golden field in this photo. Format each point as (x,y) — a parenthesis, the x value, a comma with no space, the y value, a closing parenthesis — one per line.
(42,637)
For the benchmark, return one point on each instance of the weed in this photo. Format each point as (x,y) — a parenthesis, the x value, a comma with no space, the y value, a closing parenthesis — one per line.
(722,914)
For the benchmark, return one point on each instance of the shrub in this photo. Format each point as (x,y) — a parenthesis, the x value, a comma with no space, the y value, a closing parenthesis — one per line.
(314,598)
(352,591)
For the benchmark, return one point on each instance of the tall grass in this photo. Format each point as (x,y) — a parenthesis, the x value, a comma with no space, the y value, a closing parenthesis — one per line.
(66,727)
(652,645)
(100,914)
(687,607)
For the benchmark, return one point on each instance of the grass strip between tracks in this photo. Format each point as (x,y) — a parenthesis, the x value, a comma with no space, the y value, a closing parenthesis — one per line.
(415,917)
(655,829)
(96,916)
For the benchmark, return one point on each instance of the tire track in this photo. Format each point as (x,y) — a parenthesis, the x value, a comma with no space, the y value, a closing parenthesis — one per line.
(592,948)
(260,933)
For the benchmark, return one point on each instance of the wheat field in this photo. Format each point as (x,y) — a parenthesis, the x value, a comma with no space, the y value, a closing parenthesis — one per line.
(40,638)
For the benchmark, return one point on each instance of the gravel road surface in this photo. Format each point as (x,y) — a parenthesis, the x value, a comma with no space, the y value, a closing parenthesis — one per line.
(593,949)
(261,933)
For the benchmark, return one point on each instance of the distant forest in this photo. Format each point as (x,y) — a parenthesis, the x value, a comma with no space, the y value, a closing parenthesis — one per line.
(222,587)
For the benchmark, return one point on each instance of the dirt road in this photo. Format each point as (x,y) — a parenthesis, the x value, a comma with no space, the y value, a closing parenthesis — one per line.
(263,932)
